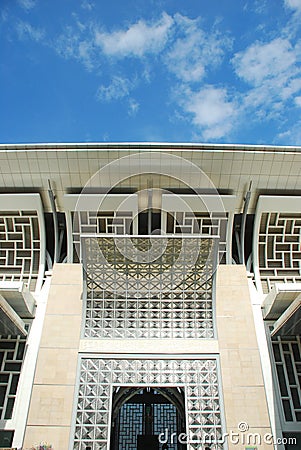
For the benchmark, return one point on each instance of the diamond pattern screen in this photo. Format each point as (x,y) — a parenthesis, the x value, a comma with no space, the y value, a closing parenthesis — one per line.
(149,287)
(98,376)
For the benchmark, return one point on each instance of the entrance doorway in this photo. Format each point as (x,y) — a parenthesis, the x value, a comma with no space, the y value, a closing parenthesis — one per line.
(147,418)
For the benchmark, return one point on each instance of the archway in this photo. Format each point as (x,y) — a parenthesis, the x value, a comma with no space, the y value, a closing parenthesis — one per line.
(140,415)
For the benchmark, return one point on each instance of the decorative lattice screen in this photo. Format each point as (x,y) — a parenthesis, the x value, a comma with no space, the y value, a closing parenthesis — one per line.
(109,222)
(200,223)
(20,247)
(149,287)
(287,355)
(12,349)
(279,249)
(98,376)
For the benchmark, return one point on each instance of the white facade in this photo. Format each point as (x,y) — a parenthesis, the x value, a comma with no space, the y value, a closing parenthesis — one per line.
(186,287)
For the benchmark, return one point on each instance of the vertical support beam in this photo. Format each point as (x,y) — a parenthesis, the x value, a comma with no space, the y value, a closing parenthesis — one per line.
(149,206)
(243,224)
(229,235)
(69,227)
(163,221)
(55,223)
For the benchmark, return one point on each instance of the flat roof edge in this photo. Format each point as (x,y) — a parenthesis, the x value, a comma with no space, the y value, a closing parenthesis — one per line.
(126,146)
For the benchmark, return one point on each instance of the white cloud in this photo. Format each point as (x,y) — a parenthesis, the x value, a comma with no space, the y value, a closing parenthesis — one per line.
(4,15)
(117,89)
(185,49)
(27,4)
(256,6)
(272,70)
(137,40)
(260,6)
(67,43)
(87,5)
(212,110)
(298,101)
(194,50)
(85,54)
(293,4)
(292,87)
(71,45)
(27,31)
(84,43)
(263,61)
(133,107)
(187,52)
(291,136)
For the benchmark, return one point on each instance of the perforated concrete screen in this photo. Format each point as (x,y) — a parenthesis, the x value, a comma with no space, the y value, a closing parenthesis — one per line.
(149,287)
(98,377)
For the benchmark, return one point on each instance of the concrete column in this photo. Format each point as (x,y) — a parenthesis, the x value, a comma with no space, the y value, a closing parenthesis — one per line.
(242,381)
(50,412)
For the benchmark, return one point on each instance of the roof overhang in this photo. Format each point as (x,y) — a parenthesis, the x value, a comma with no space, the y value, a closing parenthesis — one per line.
(71,166)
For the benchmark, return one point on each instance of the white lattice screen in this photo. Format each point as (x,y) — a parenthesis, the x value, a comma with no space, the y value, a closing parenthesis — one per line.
(98,376)
(20,246)
(95,222)
(202,223)
(279,249)
(169,297)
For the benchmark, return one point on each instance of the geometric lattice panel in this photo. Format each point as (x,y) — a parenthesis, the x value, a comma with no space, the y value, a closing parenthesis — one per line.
(165,417)
(96,222)
(279,249)
(98,376)
(187,222)
(20,246)
(287,356)
(12,349)
(149,288)
(130,425)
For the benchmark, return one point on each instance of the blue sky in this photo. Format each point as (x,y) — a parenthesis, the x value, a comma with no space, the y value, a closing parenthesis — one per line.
(151,70)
